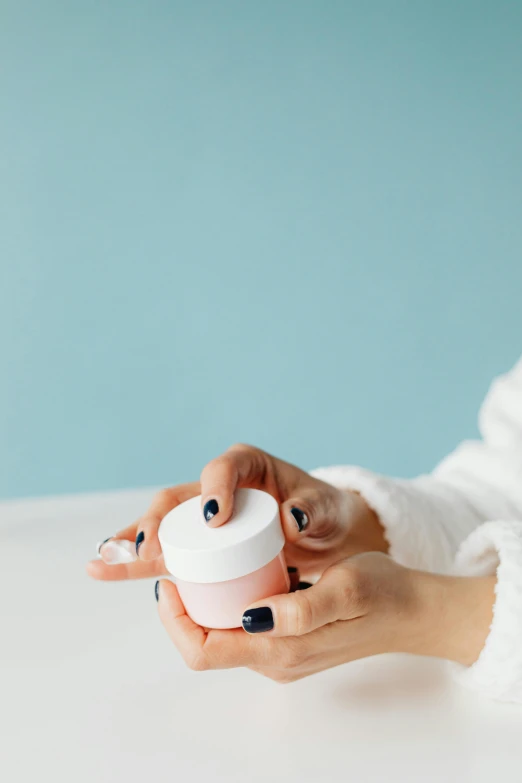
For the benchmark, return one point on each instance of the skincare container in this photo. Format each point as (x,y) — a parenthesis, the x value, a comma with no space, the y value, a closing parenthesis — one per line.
(221,571)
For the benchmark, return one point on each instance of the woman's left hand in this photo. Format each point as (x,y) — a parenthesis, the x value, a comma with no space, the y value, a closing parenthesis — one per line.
(361,606)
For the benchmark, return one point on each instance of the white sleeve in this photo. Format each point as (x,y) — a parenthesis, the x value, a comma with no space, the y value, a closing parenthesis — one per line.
(427,518)
(497,547)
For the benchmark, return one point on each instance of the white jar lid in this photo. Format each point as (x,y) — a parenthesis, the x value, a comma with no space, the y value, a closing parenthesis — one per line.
(195,552)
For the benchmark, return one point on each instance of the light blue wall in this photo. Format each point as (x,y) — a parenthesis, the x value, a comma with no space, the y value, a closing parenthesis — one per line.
(297,224)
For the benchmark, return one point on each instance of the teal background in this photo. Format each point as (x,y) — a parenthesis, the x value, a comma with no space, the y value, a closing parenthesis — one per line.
(296,224)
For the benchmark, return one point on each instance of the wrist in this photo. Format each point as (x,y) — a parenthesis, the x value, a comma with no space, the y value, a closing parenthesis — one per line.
(452,616)
(365,532)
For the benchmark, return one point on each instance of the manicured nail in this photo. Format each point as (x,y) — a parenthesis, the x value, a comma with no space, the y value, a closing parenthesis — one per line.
(115,551)
(156,590)
(210,509)
(291,570)
(300,518)
(258,620)
(139,541)
(304,585)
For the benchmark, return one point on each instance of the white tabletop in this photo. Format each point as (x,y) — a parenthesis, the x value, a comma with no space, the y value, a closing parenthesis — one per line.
(92,690)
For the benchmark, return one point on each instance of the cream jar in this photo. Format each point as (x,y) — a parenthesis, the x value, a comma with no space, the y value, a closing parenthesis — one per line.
(220,572)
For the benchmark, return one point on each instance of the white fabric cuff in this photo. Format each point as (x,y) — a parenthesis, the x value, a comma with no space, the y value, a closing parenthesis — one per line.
(496,546)
(410,512)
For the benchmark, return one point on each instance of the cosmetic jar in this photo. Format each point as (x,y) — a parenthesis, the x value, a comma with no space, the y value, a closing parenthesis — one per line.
(221,571)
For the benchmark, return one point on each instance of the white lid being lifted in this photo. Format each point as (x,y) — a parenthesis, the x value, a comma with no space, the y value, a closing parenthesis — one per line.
(195,552)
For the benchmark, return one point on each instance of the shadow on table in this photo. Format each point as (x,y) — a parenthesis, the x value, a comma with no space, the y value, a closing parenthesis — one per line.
(384,683)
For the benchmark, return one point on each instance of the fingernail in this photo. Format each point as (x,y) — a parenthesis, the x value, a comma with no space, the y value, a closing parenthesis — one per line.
(139,541)
(304,585)
(115,551)
(300,518)
(156,590)
(258,620)
(210,509)
(291,570)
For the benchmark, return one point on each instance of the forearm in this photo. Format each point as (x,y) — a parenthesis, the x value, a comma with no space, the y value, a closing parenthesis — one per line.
(451,617)
(365,532)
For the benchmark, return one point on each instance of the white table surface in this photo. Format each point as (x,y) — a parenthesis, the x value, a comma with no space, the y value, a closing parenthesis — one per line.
(91,688)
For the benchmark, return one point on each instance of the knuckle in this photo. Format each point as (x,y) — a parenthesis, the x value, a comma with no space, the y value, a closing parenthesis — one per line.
(163,496)
(198,662)
(215,465)
(242,447)
(290,657)
(254,461)
(284,677)
(300,614)
(354,588)
(210,466)
(321,499)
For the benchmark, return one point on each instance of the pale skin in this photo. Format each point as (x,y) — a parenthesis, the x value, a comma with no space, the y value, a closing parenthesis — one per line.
(362,604)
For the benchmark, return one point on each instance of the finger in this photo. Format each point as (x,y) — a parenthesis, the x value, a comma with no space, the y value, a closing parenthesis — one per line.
(302,612)
(97,569)
(237,467)
(203,649)
(314,512)
(147,542)
(188,637)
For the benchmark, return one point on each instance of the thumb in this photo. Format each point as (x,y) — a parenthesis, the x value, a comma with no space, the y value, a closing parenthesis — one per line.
(334,597)
(315,512)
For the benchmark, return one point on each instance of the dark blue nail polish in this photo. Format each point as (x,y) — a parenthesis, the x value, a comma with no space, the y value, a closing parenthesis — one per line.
(139,541)
(304,585)
(300,518)
(291,570)
(258,620)
(156,590)
(210,509)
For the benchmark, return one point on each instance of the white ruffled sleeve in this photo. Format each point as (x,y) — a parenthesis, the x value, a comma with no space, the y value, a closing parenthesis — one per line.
(427,518)
(497,547)
(441,522)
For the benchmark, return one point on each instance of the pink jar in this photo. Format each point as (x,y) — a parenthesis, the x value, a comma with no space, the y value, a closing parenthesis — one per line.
(220,572)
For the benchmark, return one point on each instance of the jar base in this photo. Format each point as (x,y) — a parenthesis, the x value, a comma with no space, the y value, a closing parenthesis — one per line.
(220,605)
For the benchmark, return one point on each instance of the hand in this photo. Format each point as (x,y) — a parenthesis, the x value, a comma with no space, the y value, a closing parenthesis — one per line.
(321,524)
(362,606)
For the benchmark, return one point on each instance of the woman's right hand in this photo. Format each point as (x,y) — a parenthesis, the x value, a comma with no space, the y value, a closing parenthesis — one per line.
(322,524)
